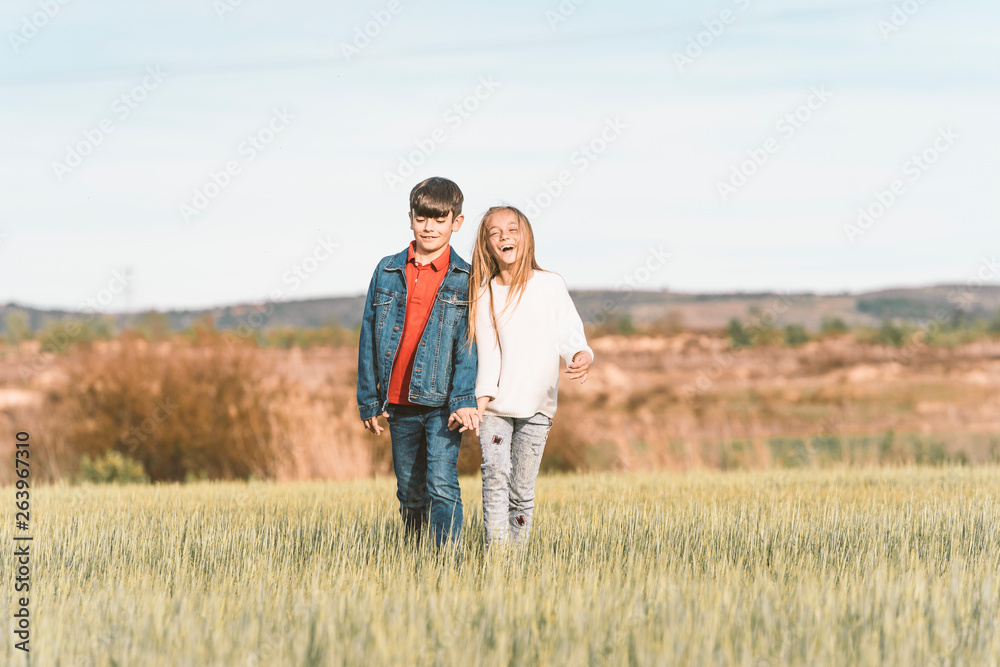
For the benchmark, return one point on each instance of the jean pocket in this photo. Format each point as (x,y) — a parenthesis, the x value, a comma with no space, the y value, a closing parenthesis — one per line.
(452,309)
(381,308)
(545,435)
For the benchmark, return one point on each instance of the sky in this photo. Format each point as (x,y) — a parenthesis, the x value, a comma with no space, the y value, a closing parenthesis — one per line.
(195,153)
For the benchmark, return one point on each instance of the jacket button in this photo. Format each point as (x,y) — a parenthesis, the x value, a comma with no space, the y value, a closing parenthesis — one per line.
(387,353)
(396,328)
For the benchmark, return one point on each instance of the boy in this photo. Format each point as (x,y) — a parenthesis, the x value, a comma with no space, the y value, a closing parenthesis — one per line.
(414,365)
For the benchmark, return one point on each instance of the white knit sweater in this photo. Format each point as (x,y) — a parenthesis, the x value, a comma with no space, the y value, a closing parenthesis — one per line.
(522,373)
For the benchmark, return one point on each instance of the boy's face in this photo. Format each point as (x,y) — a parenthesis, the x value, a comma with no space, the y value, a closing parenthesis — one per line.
(504,237)
(433,234)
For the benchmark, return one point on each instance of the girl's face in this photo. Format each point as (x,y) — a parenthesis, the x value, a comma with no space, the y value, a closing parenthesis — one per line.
(504,237)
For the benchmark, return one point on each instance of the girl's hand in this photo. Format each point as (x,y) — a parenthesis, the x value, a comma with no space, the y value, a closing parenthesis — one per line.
(580,366)
(466,418)
(481,404)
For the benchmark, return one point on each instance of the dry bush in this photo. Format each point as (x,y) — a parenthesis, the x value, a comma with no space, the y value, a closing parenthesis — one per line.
(321,436)
(205,411)
(470,457)
(42,439)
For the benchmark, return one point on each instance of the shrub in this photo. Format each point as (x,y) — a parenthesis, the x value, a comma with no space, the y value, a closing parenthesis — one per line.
(738,336)
(62,335)
(176,410)
(762,329)
(16,327)
(613,326)
(154,326)
(111,468)
(796,335)
(994,325)
(833,326)
(887,307)
(891,334)
(669,324)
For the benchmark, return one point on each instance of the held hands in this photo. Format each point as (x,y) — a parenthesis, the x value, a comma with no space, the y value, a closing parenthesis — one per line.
(373,425)
(580,366)
(467,418)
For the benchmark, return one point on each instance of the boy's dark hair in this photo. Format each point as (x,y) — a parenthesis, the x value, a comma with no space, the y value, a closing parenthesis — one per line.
(435,197)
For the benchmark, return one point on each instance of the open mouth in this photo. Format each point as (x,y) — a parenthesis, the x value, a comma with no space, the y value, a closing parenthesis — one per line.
(507,247)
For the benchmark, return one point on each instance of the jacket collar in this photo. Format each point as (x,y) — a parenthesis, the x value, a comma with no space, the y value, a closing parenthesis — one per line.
(455,263)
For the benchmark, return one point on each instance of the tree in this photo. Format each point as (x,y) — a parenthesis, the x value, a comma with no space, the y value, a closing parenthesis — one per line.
(17,327)
(762,329)
(890,334)
(738,336)
(833,325)
(153,325)
(795,335)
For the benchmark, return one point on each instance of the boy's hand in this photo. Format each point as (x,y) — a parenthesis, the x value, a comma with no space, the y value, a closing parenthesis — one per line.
(373,425)
(580,367)
(469,418)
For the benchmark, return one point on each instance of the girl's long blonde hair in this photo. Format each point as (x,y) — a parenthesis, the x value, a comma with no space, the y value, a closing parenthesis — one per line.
(485,267)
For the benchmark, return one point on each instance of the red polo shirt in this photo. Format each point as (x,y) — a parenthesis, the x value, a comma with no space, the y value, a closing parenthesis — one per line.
(422,283)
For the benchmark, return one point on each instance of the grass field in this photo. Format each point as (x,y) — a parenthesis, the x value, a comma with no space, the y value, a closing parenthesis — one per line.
(886,566)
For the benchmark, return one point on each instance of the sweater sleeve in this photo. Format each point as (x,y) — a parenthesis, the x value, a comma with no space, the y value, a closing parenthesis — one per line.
(488,374)
(572,338)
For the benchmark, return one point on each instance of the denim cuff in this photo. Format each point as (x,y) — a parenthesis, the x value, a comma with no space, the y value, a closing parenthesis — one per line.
(462,402)
(368,410)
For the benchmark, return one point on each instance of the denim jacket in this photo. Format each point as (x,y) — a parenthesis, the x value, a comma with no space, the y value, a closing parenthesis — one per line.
(444,369)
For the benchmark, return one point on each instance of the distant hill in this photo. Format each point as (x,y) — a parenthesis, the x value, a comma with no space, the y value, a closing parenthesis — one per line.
(693,311)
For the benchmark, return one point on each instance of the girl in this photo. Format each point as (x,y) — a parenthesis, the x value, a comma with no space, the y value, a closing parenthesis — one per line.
(523,321)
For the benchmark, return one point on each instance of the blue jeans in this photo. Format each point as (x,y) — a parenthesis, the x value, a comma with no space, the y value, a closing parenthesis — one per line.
(425,460)
(512,453)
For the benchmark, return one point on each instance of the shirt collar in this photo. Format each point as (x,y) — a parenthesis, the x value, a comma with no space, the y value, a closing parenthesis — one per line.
(438,264)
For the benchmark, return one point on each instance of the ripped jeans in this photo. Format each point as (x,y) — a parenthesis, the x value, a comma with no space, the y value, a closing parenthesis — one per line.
(512,452)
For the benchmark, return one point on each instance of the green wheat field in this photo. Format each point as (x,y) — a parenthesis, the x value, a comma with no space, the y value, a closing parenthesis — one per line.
(875,567)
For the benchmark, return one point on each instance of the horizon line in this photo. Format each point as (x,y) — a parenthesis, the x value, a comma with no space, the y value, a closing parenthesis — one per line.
(659,290)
